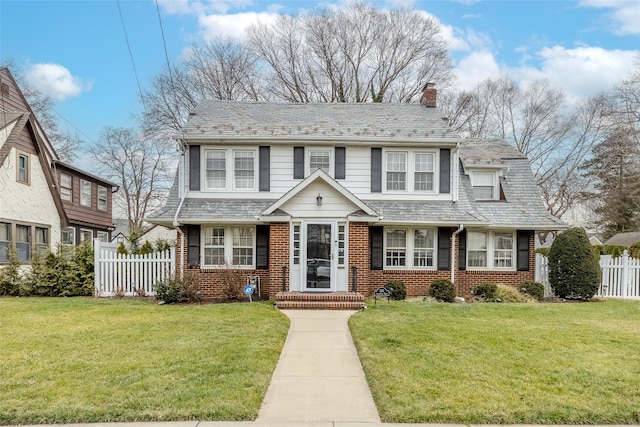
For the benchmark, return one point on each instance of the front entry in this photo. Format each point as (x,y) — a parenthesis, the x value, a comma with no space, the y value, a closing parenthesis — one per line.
(319,257)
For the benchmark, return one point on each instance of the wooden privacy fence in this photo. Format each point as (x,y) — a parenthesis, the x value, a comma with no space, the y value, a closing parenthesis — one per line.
(129,275)
(620,276)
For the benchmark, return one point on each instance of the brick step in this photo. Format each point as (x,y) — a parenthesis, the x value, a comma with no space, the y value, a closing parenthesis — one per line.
(319,305)
(320,300)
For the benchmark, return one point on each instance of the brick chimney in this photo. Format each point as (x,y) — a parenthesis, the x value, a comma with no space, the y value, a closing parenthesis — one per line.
(429,93)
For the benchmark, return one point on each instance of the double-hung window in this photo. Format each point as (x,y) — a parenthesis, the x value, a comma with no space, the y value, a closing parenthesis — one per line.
(86,235)
(23,242)
(320,159)
(229,169)
(68,236)
(412,248)
(424,171)
(233,245)
(102,198)
(244,170)
(23,168)
(216,167)
(490,250)
(41,239)
(66,187)
(484,185)
(5,241)
(396,171)
(85,193)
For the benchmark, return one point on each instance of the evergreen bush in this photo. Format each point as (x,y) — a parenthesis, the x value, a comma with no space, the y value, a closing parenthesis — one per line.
(533,288)
(443,290)
(397,288)
(486,291)
(574,270)
(634,250)
(10,277)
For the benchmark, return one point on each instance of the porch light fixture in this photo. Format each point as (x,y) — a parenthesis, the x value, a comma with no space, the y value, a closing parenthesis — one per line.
(319,200)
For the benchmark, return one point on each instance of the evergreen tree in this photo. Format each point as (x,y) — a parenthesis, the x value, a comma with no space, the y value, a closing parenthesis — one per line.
(615,167)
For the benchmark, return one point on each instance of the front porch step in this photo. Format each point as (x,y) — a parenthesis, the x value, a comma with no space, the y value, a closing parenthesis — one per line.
(319,301)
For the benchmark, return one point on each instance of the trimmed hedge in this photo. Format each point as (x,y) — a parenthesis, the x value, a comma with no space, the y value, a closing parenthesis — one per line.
(443,290)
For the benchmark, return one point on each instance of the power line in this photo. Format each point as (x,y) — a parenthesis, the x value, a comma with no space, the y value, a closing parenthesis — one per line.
(164,43)
(74,126)
(135,71)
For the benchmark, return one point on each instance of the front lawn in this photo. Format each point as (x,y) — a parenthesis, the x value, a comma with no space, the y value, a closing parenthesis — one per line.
(65,360)
(502,363)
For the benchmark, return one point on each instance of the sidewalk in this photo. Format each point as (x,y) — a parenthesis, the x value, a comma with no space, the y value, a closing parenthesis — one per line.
(318,377)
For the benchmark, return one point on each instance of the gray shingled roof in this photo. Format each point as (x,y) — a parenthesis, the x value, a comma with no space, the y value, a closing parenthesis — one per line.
(624,239)
(372,121)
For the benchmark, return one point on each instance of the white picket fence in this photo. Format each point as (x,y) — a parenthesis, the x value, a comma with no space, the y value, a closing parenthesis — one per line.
(620,276)
(129,275)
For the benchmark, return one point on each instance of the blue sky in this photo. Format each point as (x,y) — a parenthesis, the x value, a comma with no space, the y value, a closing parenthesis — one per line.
(76,51)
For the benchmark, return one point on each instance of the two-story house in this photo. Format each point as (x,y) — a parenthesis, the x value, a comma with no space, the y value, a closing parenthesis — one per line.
(319,198)
(34,210)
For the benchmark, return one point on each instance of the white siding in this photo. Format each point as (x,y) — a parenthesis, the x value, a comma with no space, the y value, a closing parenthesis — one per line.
(282,170)
(334,205)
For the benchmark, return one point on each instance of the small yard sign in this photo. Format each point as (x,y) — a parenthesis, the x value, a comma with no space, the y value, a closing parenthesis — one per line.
(381,292)
(248,291)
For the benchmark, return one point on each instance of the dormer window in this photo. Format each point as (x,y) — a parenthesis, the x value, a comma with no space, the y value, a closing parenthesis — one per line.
(485,185)
(320,159)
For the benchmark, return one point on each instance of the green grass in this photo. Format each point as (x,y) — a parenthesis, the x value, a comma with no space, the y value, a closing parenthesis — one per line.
(71,360)
(502,363)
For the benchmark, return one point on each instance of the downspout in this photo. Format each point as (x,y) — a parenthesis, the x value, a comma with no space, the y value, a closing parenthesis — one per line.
(453,252)
(176,224)
(456,174)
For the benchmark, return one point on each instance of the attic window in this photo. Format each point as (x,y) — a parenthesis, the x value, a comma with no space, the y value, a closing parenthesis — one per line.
(485,185)
(5,89)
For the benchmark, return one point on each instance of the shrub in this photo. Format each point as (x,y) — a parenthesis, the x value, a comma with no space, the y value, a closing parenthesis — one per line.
(397,288)
(574,270)
(486,291)
(170,290)
(634,250)
(442,290)
(614,250)
(535,289)
(543,251)
(122,250)
(146,249)
(506,293)
(10,277)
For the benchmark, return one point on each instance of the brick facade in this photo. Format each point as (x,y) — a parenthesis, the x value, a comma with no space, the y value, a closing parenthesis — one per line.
(214,283)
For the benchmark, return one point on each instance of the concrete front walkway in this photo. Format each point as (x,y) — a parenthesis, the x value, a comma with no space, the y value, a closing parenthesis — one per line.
(318,377)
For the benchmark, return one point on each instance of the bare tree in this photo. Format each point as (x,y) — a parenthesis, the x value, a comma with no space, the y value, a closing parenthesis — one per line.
(219,69)
(142,168)
(355,54)
(536,120)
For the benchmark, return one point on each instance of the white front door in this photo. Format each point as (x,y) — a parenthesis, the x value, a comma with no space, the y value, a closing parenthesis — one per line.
(318,266)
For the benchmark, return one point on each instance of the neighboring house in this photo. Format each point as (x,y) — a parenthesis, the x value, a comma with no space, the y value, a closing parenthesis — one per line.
(33,214)
(595,239)
(624,239)
(87,201)
(316,197)
(157,233)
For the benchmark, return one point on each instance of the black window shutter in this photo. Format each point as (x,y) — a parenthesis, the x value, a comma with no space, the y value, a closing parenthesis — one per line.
(340,167)
(264,176)
(444,236)
(298,162)
(193,240)
(376,247)
(462,250)
(523,250)
(445,170)
(376,170)
(194,167)
(262,247)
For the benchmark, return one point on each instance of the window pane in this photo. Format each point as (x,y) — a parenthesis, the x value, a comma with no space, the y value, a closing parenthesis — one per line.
(86,235)
(4,241)
(503,254)
(85,193)
(244,169)
(423,181)
(102,198)
(243,246)
(319,160)
(483,192)
(396,171)
(68,236)
(216,165)
(423,248)
(396,252)
(476,249)
(66,192)
(23,168)
(23,242)
(214,246)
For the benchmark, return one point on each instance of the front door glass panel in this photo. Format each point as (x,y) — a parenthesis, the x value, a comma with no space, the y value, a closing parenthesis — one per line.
(318,256)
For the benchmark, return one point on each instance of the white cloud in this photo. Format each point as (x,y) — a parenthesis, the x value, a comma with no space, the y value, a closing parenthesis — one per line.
(233,25)
(624,14)
(201,7)
(476,67)
(55,81)
(581,71)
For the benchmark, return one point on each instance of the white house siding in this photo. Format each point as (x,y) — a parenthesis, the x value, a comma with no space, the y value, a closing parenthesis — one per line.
(281,170)
(33,203)
(334,205)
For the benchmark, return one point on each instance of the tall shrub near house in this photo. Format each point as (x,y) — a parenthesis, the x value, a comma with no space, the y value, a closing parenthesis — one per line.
(574,270)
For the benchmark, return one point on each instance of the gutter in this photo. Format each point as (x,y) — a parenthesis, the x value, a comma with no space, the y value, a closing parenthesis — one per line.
(453,252)
(176,224)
